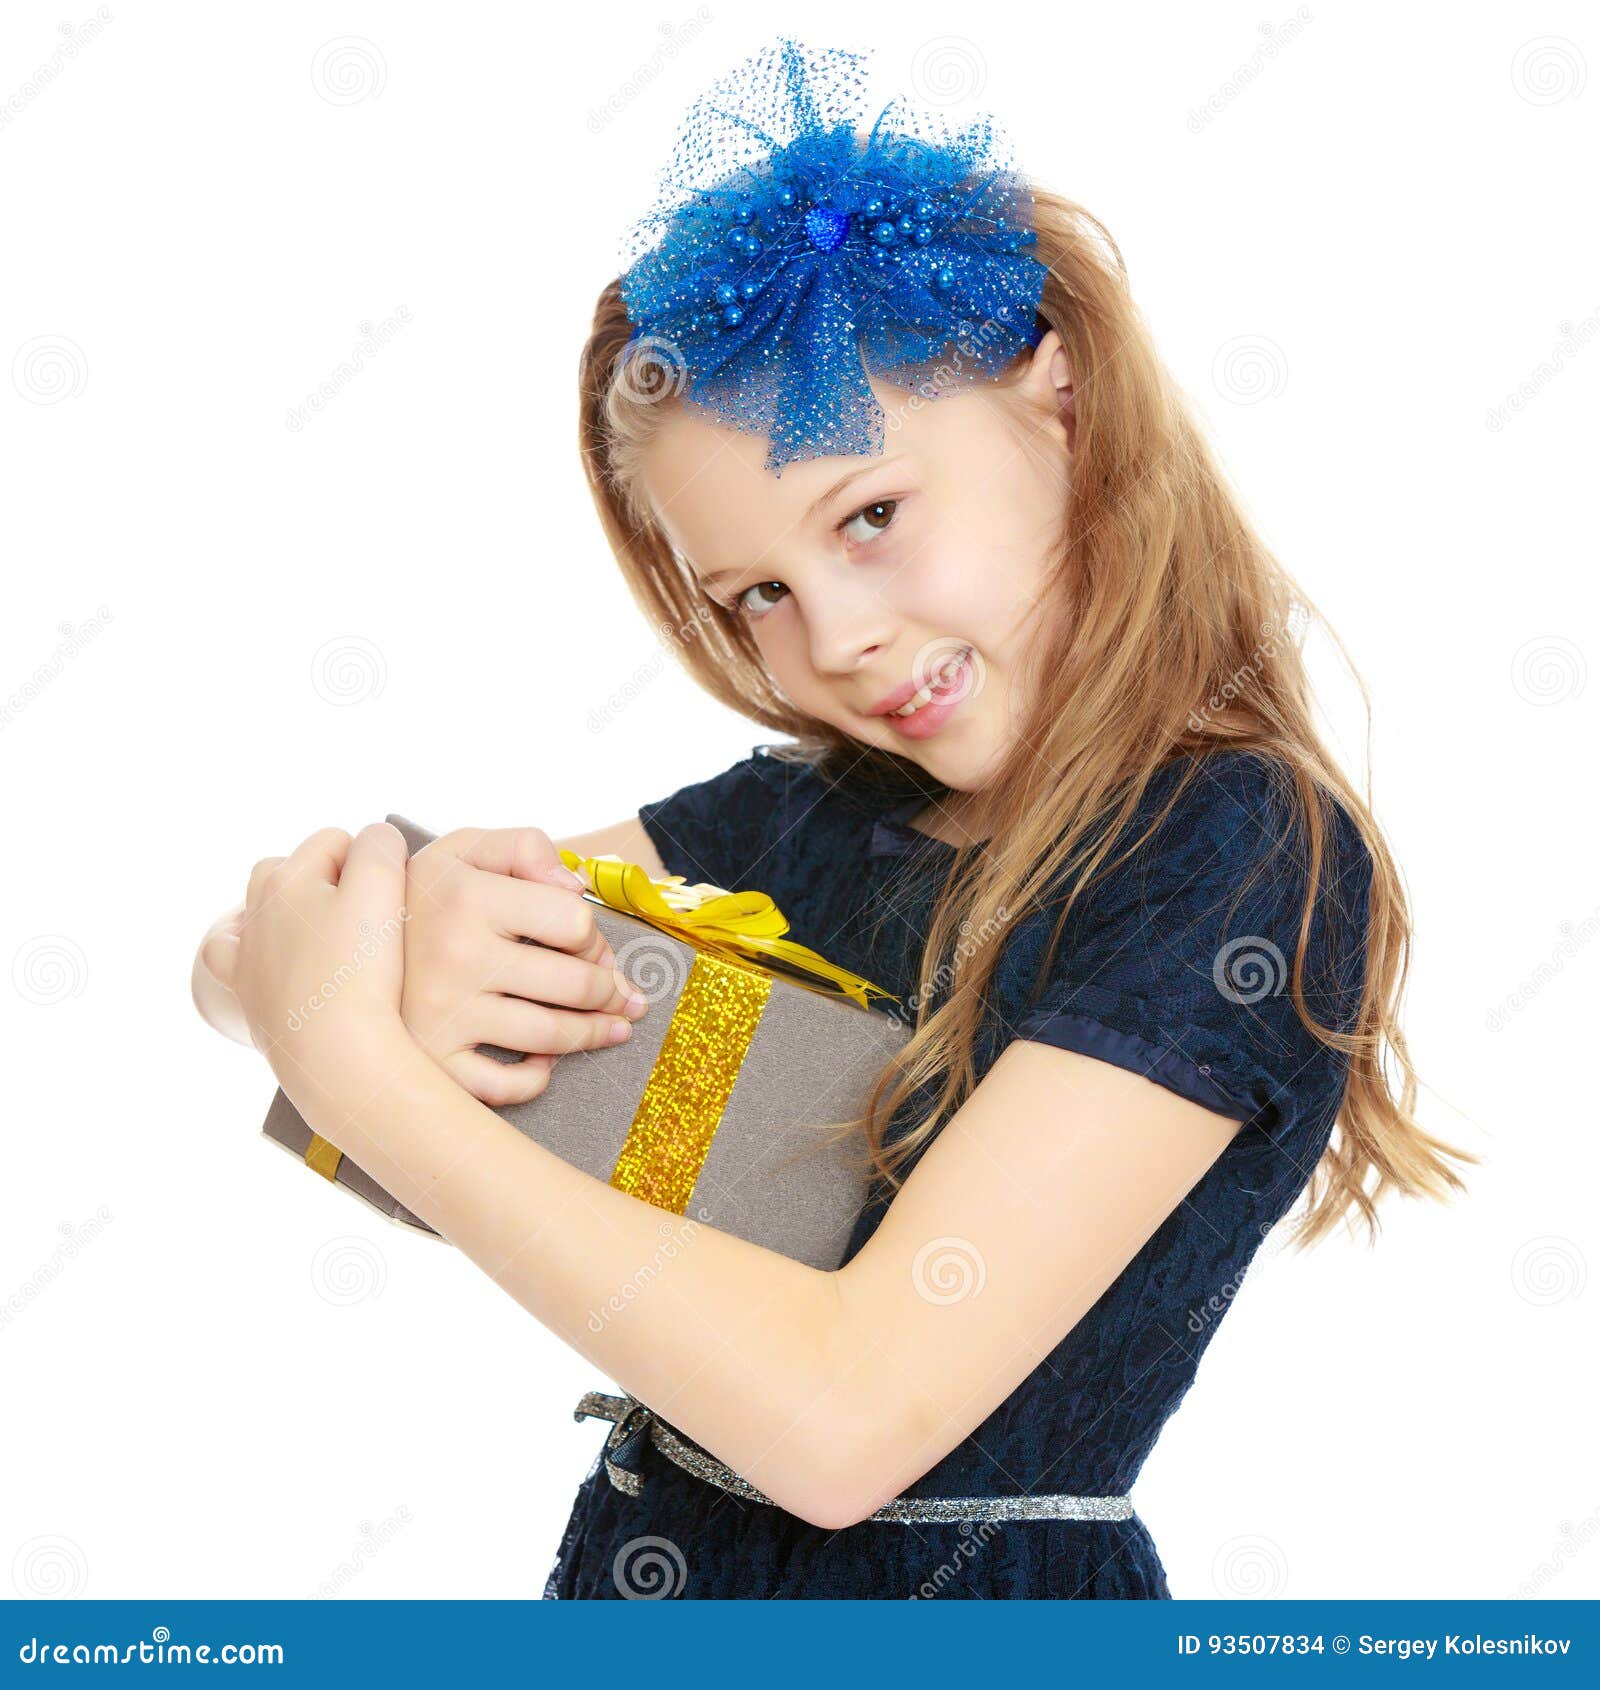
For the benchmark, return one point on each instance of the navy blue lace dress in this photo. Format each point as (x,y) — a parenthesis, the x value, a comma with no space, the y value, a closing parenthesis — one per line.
(1133,984)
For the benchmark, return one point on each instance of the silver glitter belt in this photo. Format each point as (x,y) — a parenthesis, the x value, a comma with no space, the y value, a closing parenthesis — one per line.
(634,1425)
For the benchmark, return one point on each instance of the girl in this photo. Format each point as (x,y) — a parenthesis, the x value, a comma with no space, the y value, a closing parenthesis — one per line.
(1050,777)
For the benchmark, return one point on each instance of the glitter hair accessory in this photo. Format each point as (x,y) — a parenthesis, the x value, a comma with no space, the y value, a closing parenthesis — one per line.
(788,256)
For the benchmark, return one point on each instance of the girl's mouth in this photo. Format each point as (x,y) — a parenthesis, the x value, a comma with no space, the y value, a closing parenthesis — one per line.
(931,708)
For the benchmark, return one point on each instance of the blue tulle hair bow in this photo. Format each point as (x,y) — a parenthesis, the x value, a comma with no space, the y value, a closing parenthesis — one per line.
(788,256)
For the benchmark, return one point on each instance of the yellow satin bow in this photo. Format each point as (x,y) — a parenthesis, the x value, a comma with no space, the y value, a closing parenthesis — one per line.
(738,926)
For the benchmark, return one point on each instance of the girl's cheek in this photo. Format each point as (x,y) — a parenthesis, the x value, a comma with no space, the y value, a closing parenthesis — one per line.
(781,650)
(962,595)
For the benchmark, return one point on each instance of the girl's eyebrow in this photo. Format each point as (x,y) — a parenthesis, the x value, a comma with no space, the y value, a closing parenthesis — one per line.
(845,480)
(811,510)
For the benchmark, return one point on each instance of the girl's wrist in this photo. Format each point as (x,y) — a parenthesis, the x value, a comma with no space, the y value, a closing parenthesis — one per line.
(333,1071)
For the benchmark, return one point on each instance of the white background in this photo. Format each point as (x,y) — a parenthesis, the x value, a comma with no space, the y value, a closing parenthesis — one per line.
(1357,232)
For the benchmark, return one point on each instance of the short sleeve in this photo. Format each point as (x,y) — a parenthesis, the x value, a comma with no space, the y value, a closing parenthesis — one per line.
(1177,965)
(721,830)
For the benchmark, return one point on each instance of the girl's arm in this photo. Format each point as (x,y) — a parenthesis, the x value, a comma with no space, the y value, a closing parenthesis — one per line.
(830,1392)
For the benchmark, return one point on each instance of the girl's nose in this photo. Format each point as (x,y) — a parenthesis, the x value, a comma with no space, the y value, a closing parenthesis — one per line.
(845,636)
(843,657)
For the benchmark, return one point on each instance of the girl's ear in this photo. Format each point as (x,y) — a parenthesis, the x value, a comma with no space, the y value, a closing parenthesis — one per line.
(1066,397)
(1049,380)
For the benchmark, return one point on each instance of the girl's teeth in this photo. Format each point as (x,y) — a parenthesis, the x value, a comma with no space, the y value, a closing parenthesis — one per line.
(917,701)
(912,705)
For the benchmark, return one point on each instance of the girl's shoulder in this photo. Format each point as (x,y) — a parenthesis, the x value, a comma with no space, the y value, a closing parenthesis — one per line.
(1178,956)
(1240,813)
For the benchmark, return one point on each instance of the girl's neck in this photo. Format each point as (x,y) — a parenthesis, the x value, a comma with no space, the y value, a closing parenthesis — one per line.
(952,820)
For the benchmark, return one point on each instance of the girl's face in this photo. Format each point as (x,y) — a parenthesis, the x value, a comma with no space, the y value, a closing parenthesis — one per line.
(865,580)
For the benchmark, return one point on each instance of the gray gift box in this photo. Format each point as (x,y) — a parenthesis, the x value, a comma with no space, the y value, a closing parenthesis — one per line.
(768,1175)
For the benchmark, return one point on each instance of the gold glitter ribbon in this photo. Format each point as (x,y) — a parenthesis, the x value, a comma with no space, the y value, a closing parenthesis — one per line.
(323,1157)
(738,941)
(715,1019)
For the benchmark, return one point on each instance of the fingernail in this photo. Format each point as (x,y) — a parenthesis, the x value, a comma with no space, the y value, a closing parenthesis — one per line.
(633,1005)
(561,875)
(620,1030)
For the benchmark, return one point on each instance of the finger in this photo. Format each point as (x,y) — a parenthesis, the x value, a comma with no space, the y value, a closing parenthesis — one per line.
(259,875)
(500,1084)
(564,921)
(230,922)
(372,885)
(220,955)
(373,861)
(516,1024)
(324,853)
(549,976)
(444,871)
(500,857)
(526,853)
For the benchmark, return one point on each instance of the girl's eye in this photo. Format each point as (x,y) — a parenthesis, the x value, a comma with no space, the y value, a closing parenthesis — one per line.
(755,615)
(877,516)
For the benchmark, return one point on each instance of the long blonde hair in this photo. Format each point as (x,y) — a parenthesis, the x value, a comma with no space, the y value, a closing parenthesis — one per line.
(1165,576)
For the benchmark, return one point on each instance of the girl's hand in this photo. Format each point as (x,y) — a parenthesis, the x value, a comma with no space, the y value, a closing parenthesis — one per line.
(321,956)
(502,948)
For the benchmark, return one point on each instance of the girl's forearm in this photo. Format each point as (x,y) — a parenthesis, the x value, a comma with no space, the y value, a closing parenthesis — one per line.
(732,1343)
